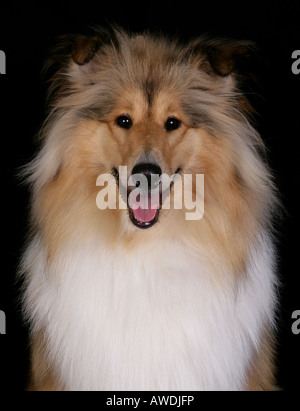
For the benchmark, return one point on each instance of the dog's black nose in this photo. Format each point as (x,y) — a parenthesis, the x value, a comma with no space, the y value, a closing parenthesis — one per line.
(151,171)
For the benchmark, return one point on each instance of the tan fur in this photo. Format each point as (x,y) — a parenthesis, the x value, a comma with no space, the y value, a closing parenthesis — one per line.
(238,190)
(230,211)
(41,376)
(261,376)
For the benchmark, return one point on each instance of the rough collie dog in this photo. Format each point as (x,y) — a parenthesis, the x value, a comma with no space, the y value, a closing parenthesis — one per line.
(141,296)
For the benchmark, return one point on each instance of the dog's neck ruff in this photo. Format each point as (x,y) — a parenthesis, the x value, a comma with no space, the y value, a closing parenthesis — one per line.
(155,320)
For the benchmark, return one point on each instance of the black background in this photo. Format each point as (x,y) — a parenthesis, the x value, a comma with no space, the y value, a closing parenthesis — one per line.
(27,30)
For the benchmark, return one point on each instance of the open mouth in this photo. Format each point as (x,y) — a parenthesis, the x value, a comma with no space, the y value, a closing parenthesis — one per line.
(144,205)
(144,213)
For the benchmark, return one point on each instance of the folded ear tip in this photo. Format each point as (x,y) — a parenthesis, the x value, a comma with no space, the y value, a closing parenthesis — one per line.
(222,67)
(84,49)
(229,55)
(223,56)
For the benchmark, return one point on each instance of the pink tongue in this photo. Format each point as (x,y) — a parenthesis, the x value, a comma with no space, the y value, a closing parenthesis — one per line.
(144,213)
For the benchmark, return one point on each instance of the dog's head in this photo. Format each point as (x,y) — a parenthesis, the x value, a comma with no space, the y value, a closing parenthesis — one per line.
(145,107)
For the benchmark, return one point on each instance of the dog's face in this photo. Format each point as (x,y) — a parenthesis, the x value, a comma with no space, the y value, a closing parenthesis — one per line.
(150,139)
(156,108)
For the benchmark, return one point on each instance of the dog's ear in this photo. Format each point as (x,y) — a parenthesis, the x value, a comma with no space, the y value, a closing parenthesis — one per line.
(221,56)
(84,48)
(70,63)
(79,48)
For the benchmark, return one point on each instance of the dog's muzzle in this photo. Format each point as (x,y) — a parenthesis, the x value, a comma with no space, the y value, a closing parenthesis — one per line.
(144,192)
(144,195)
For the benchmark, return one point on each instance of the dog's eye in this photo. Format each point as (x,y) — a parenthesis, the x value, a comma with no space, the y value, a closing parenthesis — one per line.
(124,122)
(172,124)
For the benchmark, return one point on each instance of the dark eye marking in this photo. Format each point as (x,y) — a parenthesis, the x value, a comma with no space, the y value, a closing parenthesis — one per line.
(124,122)
(172,124)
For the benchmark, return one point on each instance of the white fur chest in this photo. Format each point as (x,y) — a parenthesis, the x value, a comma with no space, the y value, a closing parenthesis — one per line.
(152,320)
